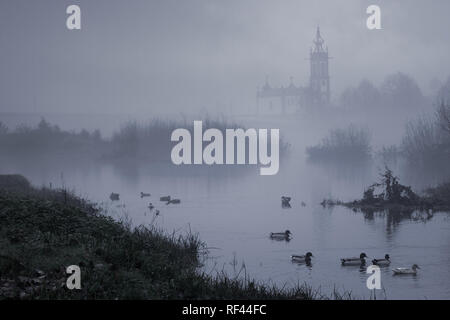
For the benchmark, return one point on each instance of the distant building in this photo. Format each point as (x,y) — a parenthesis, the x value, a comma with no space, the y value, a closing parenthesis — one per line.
(290,99)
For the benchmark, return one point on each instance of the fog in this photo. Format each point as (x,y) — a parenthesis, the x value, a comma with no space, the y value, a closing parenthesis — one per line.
(93,110)
(166,57)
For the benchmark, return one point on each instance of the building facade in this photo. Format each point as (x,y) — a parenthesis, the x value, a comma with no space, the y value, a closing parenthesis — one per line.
(292,98)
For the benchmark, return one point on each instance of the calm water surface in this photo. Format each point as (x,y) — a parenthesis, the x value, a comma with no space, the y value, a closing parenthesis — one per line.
(234,211)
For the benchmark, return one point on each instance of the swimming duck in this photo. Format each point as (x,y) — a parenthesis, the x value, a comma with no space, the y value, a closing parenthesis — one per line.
(143,195)
(382,262)
(174,201)
(167,198)
(114,196)
(285,202)
(354,260)
(303,258)
(280,235)
(412,270)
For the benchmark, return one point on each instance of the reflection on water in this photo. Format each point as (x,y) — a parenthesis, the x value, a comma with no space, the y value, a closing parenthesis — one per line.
(394,217)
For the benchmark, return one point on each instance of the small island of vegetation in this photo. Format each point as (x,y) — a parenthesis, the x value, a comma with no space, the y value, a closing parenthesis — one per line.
(389,193)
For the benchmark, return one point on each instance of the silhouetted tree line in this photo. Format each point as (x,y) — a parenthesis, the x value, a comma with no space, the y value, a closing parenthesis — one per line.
(148,142)
(397,91)
(343,144)
(427,140)
(48,139)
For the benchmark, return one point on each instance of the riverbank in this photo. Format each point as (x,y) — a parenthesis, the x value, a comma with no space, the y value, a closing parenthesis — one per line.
(43,231)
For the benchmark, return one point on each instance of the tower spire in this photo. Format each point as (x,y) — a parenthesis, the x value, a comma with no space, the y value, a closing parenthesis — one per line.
(319,78)
(318,41)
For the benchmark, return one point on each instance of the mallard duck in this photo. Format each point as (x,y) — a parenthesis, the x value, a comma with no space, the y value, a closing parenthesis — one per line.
(143,195)
(354,260)
(303,258)
(167,198)
(382,262)
(280,235)
(114,196)
(412,270)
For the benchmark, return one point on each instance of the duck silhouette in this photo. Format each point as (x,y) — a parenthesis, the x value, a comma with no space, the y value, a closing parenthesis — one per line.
(412,270)
(354,260)
(285,202)
(302,258)
(114,196)
(382,262)
(281,235)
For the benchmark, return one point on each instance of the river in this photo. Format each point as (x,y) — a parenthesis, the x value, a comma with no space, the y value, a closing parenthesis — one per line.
(234,209)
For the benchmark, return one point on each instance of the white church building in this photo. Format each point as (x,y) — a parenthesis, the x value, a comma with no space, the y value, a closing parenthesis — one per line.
(293,99)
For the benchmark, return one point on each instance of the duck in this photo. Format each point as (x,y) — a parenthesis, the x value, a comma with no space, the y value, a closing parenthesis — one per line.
(174,201)
(412,270)
(143,195)
(281,235)
(303,258)
(114,196)
(285,202)
(354,260)
(167,198)
(382,262)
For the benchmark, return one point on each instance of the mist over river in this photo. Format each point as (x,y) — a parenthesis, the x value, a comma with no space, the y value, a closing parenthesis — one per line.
(234,209)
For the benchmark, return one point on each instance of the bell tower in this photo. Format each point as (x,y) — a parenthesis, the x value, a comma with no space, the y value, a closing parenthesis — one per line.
(319,78)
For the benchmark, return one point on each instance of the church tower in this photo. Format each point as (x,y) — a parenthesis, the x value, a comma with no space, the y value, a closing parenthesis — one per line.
(319,78)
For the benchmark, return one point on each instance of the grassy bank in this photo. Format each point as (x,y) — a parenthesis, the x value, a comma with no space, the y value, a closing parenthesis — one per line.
(43,231)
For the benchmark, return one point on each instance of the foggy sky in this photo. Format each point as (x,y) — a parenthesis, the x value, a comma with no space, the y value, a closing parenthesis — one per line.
(167,56)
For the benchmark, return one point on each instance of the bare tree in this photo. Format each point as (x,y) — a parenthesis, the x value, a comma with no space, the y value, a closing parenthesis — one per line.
(443,114)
